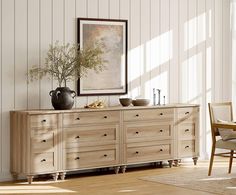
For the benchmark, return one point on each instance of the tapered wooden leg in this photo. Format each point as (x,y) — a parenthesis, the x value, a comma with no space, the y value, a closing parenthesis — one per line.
(176,163)
(55,176)
(231,160)
(170,163)
(195,160)
(212,159)
(30,178)
(123,168)
(116,169)
(62,175)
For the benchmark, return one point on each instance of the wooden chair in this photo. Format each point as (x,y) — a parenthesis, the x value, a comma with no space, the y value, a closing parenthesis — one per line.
(223,112)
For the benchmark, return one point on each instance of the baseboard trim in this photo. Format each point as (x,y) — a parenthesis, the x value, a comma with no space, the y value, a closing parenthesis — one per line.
(5,176)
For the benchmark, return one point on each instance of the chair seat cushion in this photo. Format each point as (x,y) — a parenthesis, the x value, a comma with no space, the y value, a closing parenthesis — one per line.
(226,134)
(230,144)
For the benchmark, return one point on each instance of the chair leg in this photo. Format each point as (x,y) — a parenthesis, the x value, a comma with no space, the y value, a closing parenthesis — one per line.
(211,160)
(231,160)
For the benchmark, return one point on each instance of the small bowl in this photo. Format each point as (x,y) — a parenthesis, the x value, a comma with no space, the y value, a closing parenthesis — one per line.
(125,101)
(141,102)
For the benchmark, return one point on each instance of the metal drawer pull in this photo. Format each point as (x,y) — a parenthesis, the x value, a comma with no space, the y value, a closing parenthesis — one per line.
(105,135)
(77,158)
(44,140)
(136,152)
(186,146)
(137,115)
(105,155)
(44,120)
(186,130)
(77,137)
(161,113)
(105,116)
(43,160)
(161,130)
(137,132)
(161,150)
(78,118)
(186,112)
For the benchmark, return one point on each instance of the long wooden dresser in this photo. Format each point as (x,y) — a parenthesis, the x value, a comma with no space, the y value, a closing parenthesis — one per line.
(59,141)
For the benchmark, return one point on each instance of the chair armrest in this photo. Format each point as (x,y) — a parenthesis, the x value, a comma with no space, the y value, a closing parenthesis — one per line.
(228,125)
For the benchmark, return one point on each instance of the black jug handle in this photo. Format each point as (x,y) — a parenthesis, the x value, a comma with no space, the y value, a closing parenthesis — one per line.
(73,93)
(50,93)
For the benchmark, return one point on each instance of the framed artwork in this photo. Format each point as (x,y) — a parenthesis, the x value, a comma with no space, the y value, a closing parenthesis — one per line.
(113,35)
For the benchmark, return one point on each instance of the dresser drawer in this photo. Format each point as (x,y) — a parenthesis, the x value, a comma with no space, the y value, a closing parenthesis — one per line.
(188,112)
(151,114)
(43,121)
(90,136)
(78,160)
(43,162)
(186,131)
(186,148)
(70,119)
(148,153)
(147,132)
(42,142)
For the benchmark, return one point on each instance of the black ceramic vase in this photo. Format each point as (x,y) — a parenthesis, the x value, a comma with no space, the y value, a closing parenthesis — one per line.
(62,98)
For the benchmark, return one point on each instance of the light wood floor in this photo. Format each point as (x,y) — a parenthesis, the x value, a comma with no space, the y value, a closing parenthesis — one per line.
(107,183)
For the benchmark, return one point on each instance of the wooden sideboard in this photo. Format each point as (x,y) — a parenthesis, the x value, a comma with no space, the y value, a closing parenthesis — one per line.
(58,141)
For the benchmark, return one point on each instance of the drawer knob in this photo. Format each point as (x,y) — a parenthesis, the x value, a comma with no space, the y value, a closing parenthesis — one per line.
(44,140)
(44,120)
(137,115)
(105,155)
(43,160)
(161,130)
(161,113)
(78,118)
(77,158)
(186,147)
(137,132)
(186,130)
(105,135)
(161,150)
(136,152)
(77,137)
(186,112)
(105,116)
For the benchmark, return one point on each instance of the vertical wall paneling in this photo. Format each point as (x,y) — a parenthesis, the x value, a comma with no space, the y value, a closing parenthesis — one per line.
(165,49)
(155,44)
(21,54)
(93,12)
(33,51)
(45,40)
(114,13)
(1,138)
(226,36)
(135,65)
(81,11)
(218,50)
(145,48)
(183,54)
(174,43)
(103,11)
(7,86)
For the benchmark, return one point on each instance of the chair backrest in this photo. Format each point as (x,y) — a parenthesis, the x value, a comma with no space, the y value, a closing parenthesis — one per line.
(219,111)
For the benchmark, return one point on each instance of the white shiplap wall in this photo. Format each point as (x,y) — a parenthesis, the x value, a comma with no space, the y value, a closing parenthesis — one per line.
(179,46)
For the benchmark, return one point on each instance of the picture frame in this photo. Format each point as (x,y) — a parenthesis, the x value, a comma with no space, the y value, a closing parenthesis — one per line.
(113,34)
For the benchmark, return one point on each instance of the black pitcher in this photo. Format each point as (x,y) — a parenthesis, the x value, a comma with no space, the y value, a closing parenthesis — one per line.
(62,98)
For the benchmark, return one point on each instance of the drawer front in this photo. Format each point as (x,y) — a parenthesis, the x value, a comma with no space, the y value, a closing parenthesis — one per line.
(77,160)
(90,136)
(188,112)
(43,142)
(148,132)
(43,162)
(148,153)
(43,121)
(151,114)
(187,148)
(70,119)
(186,131)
